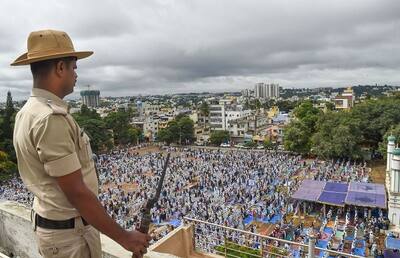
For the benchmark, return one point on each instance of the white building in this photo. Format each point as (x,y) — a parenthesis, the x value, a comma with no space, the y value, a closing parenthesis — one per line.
(217,115)
(390,149)
(266,91)
(150,127)
(393,164)
(224,110)
(238,127)
(151,109)
(345,100)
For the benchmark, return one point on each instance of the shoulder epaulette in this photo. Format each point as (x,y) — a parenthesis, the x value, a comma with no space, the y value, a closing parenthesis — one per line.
(57,110)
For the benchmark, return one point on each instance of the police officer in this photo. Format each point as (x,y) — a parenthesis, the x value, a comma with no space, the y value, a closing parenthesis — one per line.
(55,158)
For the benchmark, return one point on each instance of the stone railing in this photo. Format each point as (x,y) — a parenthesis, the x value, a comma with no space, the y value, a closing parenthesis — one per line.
(18,240)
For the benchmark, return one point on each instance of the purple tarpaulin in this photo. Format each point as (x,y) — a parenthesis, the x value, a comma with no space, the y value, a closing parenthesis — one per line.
(355,193)
(366,199)
(366,188)
(309,190)
(336,187)
(332,198)
(391,254)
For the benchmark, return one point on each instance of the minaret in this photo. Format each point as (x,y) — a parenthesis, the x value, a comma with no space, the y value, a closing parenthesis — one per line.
(394,193)
(395,171)
(390,148)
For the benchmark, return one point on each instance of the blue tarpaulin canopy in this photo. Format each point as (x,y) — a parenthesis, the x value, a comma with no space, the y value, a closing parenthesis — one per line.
(392,243)
(310,190)
(175,223)
(332,198)
(336,187)
(339,194)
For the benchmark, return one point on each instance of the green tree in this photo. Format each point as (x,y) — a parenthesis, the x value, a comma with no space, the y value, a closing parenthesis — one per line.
(286,105)
(268,145)
(88,113)
(218,137)
(253,104)
(297,137)
(329,106)
(186,130)
(7,127)
(7,167)
(179,130)
(100,137)
(165,135)
(8,119)
(1,125)
(133,135)
(394,131)
(268,103)
(308,114)
(337,136)
(375,118)
(94,126)
(173,128)
(119,123)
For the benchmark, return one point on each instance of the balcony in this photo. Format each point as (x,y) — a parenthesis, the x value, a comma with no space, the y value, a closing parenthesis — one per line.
(194,239)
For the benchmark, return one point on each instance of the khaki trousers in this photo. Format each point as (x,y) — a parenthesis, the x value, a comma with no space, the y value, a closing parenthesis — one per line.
(79,242)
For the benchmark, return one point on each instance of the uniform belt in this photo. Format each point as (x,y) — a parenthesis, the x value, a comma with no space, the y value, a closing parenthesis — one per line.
(56,224)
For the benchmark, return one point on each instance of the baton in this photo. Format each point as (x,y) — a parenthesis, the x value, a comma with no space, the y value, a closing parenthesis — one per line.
(146,216)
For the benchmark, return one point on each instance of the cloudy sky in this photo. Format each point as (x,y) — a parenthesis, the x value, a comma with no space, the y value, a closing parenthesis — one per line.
(165,46)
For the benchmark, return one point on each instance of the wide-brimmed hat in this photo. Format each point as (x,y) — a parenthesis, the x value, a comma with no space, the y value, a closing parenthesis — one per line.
(49,44)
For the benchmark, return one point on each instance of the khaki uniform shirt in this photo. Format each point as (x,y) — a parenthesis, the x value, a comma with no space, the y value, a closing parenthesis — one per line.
(49,144)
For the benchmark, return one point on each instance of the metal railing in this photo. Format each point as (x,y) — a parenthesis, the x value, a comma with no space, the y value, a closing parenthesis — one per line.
(234,243)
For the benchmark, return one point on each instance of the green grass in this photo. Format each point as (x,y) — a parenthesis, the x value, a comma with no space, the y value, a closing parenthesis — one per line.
(245,252)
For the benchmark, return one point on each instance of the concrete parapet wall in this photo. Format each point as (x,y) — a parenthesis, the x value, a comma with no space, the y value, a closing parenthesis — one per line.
(3,256)
(17,237)
(16,234)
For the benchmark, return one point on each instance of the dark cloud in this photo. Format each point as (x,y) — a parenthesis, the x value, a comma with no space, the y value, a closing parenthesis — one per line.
(145,47)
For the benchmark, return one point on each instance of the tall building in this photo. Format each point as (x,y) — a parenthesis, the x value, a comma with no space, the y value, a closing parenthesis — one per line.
(273,90)
(390,148)
(266,91)
(217,115)
(394,184)
(90,98)
(259,90)
(139,107)
(246,93)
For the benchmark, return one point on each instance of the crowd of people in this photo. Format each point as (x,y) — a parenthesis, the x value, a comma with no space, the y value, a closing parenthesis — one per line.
(225,187)
(14,190)
(217,186)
